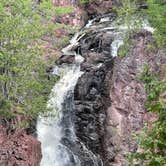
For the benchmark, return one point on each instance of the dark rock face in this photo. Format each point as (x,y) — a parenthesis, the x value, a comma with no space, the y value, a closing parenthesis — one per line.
(91,98)
(91,94)
(17,148)
(65,59)
(75,146)
(99,7)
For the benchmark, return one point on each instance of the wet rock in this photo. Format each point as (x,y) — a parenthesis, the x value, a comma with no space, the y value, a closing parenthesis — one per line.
(91,92)
(66,59)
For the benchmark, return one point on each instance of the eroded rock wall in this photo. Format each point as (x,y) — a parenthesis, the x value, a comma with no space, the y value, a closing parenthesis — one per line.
(91,95)
(99,7)
(17,148)
(127,114)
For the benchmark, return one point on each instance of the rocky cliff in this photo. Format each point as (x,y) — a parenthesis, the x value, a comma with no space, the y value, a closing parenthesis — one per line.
(84,11)
(109,98)
(127,114)
(17,147)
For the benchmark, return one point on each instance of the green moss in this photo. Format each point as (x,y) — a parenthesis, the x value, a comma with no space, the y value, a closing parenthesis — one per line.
(84,1)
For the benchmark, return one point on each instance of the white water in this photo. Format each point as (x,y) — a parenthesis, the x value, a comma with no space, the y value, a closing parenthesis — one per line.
(119,31)
(49,130)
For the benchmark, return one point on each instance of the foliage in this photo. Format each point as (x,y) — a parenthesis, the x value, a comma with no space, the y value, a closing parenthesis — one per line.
(152,141)
(84,1)
(24,83)
(128,14)
(63,10)
(130,17)
(126,9)
(157,16)
(154,87)
(125,47)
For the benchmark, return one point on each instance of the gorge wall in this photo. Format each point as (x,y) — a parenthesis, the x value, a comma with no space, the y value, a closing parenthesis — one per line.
(17,147)
(127,114)
(109,99)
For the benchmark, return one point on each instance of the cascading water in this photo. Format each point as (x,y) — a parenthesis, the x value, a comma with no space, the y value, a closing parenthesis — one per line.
(60,146)
(49,129)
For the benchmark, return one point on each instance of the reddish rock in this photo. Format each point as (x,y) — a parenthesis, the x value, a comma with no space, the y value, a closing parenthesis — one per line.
(18,149)
(99,7)
(77,17)
(84,11)
(127,114)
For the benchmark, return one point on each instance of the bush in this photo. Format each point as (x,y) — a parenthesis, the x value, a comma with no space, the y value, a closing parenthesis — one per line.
(152,141)
(24,83)
(157,16)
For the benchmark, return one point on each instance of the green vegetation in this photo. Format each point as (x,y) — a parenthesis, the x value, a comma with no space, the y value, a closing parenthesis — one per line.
(157,17)
(24,83)
(130,17)
(84,1)
(63,10)
(126,11)
(129,14)
(152,141)
(125,48)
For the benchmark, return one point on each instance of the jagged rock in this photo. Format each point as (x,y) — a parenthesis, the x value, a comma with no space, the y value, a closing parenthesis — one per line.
(84,11)
(127,112)
(66,59)
(99,7)
(91,92)
(17,148)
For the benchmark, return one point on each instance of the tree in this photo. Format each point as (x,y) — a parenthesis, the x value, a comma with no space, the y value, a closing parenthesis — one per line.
(24,83)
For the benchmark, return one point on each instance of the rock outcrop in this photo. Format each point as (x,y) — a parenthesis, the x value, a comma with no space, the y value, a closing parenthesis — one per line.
(127,114)
(109,99)
(83,11)
(17,148)
(99,7)
(92,91)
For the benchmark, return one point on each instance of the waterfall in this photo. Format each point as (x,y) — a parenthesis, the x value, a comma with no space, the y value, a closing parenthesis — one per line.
(55,130)
(49,128)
